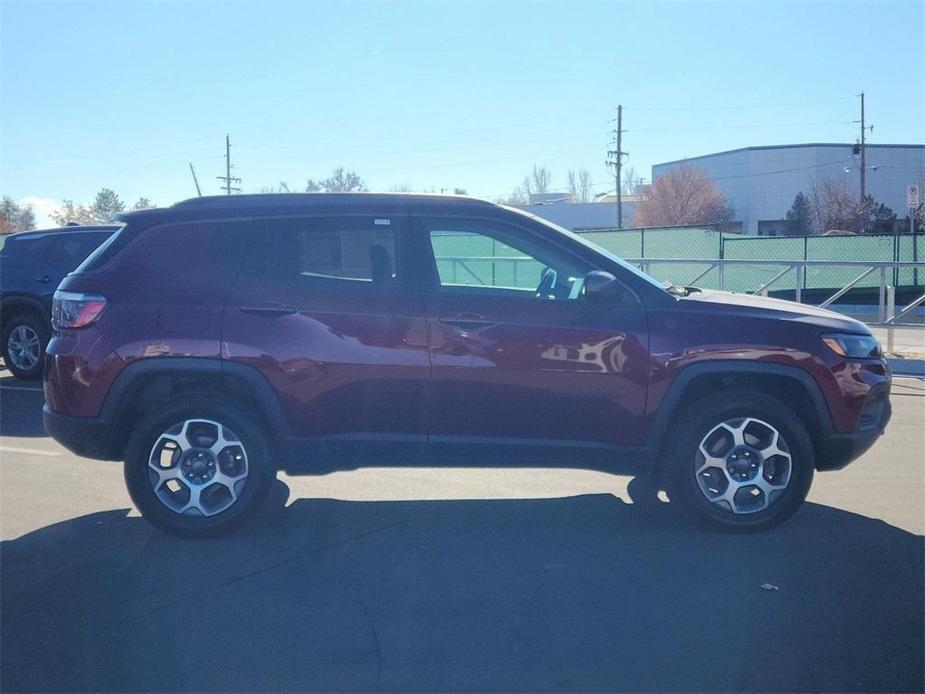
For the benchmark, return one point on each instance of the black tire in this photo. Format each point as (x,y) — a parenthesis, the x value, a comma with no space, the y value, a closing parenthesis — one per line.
(261,470)
(35,323)
(683,458)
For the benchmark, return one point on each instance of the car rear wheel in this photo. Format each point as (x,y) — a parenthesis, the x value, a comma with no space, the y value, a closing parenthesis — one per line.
(740,461)
(24,342)
(198,469)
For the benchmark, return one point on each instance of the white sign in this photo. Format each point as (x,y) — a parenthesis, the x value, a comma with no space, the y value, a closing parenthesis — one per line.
(912,196)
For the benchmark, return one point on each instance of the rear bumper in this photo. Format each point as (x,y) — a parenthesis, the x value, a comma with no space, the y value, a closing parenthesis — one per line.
(835,451)
(88,437)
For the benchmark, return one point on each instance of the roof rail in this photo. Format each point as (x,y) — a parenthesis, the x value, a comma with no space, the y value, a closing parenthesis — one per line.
(301,198)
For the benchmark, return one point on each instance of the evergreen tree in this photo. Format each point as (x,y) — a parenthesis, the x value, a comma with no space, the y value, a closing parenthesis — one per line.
(799,220)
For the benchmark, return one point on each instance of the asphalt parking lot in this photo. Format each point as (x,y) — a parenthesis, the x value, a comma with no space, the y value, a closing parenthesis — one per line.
(462,580)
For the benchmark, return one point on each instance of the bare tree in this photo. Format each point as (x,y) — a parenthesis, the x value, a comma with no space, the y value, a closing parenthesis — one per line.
(340,181)
(540,180)
(919,215)
(832,206)
(71,212)
(631,184)
(282,188)
(105,206)
(684,195)
(579,185)
(517,197)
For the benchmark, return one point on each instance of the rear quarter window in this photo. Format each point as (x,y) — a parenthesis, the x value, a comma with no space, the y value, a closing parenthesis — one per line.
(107,250)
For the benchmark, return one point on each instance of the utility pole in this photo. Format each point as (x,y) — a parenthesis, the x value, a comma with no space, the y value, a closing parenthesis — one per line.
(615,159)
(195,180)
(228,178)
(863,156)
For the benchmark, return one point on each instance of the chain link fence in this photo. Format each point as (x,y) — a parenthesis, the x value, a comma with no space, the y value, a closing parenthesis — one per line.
(709,243)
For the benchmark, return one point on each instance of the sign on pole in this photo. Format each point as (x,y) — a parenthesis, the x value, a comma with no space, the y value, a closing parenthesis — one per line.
(912,196)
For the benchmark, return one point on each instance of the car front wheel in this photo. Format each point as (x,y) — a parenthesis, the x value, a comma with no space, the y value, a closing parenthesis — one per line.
(741,461)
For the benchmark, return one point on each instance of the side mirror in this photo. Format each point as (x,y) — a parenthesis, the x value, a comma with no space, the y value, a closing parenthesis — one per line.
(602,285)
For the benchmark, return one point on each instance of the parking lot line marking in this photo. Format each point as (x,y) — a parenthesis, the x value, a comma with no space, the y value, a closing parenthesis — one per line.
(28,451)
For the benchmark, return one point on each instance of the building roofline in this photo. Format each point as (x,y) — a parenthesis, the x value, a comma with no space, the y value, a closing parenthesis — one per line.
(808,144)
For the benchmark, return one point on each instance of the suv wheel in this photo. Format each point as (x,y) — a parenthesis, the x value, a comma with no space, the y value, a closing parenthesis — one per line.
(24,342)
(742,461)
(198,469)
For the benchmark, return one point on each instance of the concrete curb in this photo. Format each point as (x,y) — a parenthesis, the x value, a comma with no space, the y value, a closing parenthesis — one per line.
(907,367)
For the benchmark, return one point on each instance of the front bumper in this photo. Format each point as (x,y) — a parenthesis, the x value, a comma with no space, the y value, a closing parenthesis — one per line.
(835,451)
(88,437)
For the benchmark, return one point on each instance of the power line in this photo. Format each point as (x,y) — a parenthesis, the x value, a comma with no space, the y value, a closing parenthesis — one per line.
(741,106)
(838,162)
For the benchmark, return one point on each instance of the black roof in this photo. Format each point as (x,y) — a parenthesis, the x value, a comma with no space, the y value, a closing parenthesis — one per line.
(276,203)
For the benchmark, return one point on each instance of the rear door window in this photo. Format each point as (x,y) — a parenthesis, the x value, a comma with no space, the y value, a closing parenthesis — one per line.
(332,253)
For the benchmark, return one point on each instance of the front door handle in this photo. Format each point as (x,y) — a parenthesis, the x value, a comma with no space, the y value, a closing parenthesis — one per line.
(44,279)
(270,308)
(466,321)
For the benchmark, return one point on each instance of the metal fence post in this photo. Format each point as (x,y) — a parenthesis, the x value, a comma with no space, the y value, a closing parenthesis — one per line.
(895,257)
(799,291)
(890,311)
(805,258)
(881,302)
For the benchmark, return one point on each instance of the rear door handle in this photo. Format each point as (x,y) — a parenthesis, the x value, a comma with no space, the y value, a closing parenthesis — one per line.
(466,321)
(270,308)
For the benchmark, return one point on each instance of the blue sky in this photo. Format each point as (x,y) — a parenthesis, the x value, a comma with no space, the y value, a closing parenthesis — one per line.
(432,94)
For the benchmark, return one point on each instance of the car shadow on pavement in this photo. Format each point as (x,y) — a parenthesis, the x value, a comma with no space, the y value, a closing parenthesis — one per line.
(579,593)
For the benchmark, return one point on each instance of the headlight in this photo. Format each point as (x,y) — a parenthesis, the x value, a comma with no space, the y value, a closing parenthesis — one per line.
(853,346)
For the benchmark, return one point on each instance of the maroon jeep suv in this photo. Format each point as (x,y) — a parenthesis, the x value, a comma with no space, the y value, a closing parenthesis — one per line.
(211,343)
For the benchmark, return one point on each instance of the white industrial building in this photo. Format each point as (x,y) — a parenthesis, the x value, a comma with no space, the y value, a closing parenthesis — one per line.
(761,182)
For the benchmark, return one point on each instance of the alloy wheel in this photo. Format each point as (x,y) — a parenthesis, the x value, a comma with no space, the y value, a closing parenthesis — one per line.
(24,347)
(743,465)
(198,467)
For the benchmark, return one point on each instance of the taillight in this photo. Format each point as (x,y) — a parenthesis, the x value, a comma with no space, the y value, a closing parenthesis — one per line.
(71,310)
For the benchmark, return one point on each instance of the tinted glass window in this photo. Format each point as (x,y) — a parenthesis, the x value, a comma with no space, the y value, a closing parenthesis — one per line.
(495,262)
(106,250)
(339,252)
(70,250)
(32,244)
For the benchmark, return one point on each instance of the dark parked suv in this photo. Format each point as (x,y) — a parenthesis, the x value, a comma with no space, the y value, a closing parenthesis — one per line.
(32,263)
(211,343)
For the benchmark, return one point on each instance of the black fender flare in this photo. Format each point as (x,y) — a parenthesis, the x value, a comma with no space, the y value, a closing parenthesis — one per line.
(673,398)
(224,372)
